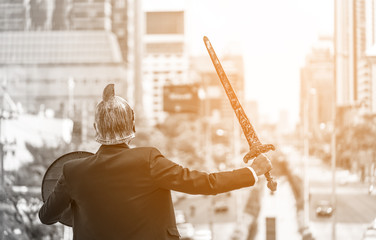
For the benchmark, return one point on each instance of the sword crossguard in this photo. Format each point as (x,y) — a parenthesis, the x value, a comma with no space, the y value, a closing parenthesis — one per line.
(256,150)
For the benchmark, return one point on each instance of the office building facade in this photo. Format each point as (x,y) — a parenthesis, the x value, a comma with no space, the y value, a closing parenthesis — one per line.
(165,59)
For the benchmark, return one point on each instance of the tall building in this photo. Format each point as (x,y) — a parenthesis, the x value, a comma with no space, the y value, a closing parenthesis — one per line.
(119,20)
(370,8)
(283,126)
(353,79)
(38,13)
(165,59)
(206,77)
(73,15)
(363,67)
(90,15)
(63,54)
(216,111)
(13,15)
(316,85)
(108,15)
(60,15)
(48,68)
(345,59)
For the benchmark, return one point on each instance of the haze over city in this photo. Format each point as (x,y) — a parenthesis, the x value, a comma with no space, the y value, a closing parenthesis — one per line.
(273,36)
(168,140)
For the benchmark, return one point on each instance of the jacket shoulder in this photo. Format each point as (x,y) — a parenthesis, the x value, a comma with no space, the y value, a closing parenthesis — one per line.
(149,154)
(147,150)
(75,164)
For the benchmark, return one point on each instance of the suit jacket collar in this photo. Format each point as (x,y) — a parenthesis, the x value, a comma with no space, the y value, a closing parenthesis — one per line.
(116,146)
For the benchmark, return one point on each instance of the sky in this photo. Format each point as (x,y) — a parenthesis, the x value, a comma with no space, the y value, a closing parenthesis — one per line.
(274,37)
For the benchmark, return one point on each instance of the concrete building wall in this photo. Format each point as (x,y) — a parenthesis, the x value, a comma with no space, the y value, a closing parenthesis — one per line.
(345,81)
(316,88)
(165,59)
(33,86)
(370,7)
(13,15)
(363,69)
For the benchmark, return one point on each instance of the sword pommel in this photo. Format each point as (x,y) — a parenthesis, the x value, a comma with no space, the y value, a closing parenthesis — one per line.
(272,185)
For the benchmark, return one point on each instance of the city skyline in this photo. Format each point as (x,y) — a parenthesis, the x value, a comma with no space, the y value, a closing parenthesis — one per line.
(273,40)
(307,87)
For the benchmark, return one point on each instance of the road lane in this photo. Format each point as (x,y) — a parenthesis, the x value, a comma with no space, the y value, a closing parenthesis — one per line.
(355,207)
(200,211)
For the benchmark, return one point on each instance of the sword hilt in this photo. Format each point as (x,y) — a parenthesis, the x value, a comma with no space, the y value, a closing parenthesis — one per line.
(255,151)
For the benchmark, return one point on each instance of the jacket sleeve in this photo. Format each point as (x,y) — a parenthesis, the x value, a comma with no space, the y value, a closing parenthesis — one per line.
(57,202)
(169,175)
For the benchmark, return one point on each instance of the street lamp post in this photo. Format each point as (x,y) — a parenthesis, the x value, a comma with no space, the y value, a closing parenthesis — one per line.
(305,160)
(333,195)
(71,97)
(311,96)
(334,113)
(2,179)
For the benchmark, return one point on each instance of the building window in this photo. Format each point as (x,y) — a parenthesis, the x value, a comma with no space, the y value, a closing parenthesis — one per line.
(165,22)
(165,48)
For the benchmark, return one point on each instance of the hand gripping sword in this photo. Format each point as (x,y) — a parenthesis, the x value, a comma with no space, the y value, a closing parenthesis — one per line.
(255,146)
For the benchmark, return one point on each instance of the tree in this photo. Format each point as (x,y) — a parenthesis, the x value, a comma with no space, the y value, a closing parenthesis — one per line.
(19,217)
(354,141)
(19,214)
(182,140)
(31,174)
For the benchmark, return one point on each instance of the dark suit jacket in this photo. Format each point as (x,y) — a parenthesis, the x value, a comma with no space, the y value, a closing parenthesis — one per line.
(123,193)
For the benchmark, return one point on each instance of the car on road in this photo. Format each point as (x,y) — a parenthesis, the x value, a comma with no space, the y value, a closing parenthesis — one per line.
(307,234)
(179,216)
(371,188)
(324,209)
(202,234)
(220,206)
(186,231)
(369,234)
(373,224)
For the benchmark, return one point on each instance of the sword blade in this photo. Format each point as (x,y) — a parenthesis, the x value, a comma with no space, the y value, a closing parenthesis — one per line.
(248,130)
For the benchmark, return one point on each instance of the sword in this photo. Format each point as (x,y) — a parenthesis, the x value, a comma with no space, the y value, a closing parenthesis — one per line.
(255,146)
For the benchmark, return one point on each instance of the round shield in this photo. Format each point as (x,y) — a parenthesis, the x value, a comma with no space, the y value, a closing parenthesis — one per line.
(51,176)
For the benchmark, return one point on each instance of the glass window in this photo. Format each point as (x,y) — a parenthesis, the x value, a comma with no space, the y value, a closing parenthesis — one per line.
(165,22)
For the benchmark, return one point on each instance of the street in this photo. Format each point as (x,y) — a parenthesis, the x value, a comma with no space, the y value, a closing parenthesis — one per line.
(281,207)
(355,208)
(201,211)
